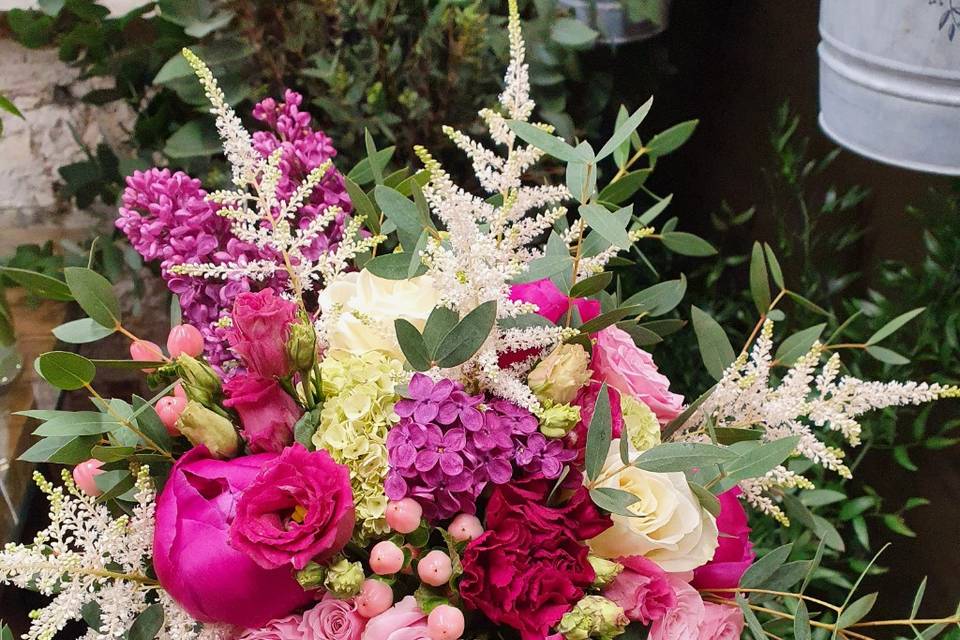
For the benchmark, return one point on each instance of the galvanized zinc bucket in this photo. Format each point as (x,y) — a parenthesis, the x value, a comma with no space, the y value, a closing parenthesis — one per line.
(612,18)
(890,80)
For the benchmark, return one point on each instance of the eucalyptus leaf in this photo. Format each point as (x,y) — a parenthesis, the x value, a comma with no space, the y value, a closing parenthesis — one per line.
(402,212)
(60,449)
(759,279)
(363,172)
(39,284)
(715,348)
(606,224)
(78,423)
(687,244)
(599,434)
(671,139)
(82,331)
(611,317)
(856,611)
(894,325)
(775,271)
(757,461)
(412,345)
(615,501)
(548,143)
(682,456)
(798,344)
(95,295)
(661,298)
(707,500)
(622,189)
(761,570)
(148,624)
(593,284)
(886,355)
(468,336)
(623,131)
(65,370)
(363,205)
(439,323)
(654,211)
(150,423)
(545,267)
(395,266)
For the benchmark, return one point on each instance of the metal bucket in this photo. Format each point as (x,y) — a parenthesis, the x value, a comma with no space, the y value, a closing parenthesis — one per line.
(890,80)
(611,19)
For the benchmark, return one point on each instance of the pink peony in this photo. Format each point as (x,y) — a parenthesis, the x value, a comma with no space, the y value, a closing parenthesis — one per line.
(283,629)
(642,589)
(631,370)
(683,620)
(721,622)
(735,551)
(402,621)
(195,564)
(266,411)
(261,326)
(299,508)
(332,619)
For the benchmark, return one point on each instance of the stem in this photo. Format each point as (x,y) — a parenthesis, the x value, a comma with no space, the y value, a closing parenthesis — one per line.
(626,167)
(103,573)
(907,623)
(763,318)
(129,425)
(576,270)
(782,594)
(845,345)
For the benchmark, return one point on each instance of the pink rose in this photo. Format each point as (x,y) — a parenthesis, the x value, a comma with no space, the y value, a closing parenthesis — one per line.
(735,551)
(402,621)
(283,629)
(631,370)
(332,619)
(261,327)
(683,620)
(721,622)
(195,564)
(299,508)
(266,411)
(642,590)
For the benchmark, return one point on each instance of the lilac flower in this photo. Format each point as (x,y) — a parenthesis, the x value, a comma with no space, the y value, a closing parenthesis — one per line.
(166,217)
(449,444)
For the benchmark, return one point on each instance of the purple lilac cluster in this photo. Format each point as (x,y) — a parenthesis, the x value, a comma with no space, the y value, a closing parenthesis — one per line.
(166,217)
(449,444)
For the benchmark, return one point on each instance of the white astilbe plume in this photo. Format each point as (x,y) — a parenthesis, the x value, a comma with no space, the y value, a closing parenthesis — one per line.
(809,400)
(259,217)
(86,555)
(488,245)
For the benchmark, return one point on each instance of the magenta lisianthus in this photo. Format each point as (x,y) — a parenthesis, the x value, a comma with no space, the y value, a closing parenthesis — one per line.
(299,508)
(267,412)
(642,590)
(332,619)
(212,580)
(260,330)
(403,621)
(735,551)
(631,371)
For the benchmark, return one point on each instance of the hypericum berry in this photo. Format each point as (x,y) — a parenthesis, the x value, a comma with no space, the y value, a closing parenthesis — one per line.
(445,623)
(169,409)
(435,568)
(386,558)
(185,338)
(374,598)
(403,516)
(146,351)
(178,390)
(465,527)
(84,475)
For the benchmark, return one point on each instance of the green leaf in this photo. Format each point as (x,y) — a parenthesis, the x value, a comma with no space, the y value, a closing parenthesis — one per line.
(611,317)
(39,284)
(756,461)
(306,426)
(623,131)
(150,423)
(439,323)
(363,172)
(548,143)
(615,501)
(729,435)
(787,575)
(798,344)
(887,355)
(651,214)
(707,500)
(606,224)
(902,457)
(217,54)
(65,370)
(896,524)
(82,331)
(78,423)
(801,622)
(403,213)
(761,570)
(671,139)
(799,299)
(775,271)
(468,336)
(395,266)
(715,348)
(95,295)
(661,298)
(113,484)
(195,139)
(148,624)
(687,244)
(918,598)
(128,364)
(623,189)
(176,313)
(570,32)
(112,453)
(363,205)
(9,107)
(895,324)
(856,611)
(545,267)
(593,284)
(682,456)
(759,280)
(665,327)
(60,449)
(599,434)
(412,345)
(677,423)
(756,629)
(371,147)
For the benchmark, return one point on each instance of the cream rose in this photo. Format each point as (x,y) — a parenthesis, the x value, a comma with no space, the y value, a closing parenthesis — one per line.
(364,307)
(671,527)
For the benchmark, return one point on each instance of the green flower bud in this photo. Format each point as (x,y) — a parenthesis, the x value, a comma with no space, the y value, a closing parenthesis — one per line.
(556,420)
(640,424)
(203,426)
(344,578)
(302,346)
(312,576)
(593,617)
(559,376)
(200,382)
(605,570)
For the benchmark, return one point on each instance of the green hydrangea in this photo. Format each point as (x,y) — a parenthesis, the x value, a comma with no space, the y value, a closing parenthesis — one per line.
(357,414)
(640,423)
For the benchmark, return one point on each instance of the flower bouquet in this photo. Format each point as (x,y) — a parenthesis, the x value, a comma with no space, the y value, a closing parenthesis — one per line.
(413,412)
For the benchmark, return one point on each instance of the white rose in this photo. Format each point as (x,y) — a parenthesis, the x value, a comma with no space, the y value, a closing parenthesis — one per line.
(671,528)
(364,307)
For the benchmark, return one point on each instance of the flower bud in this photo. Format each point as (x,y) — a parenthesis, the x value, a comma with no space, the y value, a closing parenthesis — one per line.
(203,426)
(556,420)
(200,381)
(344,578)
(559,376)
(640,424)
(302,346)
(312,576)
(605,570)
(593,617)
